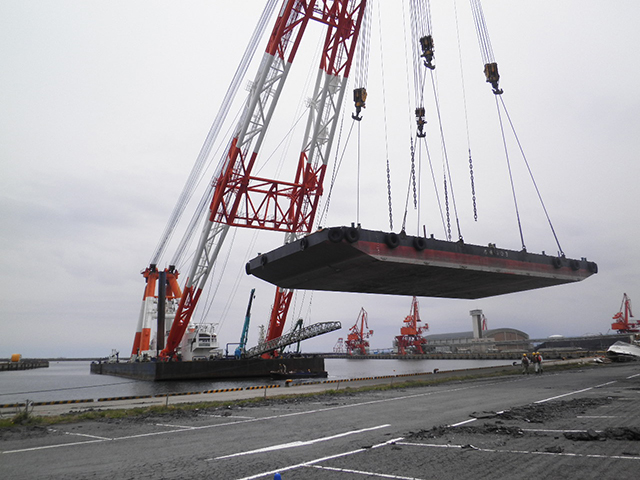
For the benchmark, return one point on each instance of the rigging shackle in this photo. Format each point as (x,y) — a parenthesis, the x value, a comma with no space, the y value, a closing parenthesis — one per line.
(359,99)
(426,43)
(420,113)
(491,72)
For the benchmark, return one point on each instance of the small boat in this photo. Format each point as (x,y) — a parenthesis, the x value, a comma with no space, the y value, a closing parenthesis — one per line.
(623,352)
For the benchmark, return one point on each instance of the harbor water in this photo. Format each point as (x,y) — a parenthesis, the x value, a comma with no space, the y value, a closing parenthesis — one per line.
(71,380)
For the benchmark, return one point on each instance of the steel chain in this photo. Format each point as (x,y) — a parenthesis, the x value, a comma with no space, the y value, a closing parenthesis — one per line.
(446,203)
(473,189)
(389,195)
(413,176)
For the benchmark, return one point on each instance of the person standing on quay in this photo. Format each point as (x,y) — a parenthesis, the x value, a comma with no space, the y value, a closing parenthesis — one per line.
(539,362)
(525,364)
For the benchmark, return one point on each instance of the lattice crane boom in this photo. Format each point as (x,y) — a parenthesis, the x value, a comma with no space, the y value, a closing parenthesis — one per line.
(241,199)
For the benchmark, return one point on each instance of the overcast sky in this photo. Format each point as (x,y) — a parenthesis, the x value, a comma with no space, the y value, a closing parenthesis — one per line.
(105,105)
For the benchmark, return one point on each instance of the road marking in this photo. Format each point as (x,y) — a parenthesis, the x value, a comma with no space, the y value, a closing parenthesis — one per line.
(574,392)
(462,423)
(183,427)
(88,436)
(564,395)
(370,474)
(636,375)
(491,450)
(227,416)
(605,384)
(596,416)
(319,460)
(283,446)
(556,431)
(33,449)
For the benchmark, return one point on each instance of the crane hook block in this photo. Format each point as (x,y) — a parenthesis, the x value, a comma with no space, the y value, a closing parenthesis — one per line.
(491,72)
(426,43)
(420,113)
(359,99)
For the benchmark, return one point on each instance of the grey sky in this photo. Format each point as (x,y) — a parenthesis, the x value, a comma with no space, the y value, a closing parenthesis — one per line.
(105,106)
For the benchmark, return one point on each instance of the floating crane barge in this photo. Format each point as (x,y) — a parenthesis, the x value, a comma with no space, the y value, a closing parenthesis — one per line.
(351,259)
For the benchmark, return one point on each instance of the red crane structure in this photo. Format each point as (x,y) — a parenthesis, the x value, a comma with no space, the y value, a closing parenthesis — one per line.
(410,339)
(357,339)
(242,199)
(622,323)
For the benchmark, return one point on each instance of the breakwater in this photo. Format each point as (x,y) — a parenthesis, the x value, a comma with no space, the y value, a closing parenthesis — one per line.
(23,365)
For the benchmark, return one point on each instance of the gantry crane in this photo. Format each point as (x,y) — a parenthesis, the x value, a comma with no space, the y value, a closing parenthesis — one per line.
(242,199)
(410,339)
(622,323)
(357,340)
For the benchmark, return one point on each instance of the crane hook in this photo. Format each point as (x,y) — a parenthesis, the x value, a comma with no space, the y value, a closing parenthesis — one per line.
(359,99)
(491,72)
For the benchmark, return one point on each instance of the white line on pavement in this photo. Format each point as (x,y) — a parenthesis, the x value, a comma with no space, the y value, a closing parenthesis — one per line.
(491,450)
(318,460)
(564,395)
(283,446)
(88,436)
(183,427)
(462,423)
(369,474)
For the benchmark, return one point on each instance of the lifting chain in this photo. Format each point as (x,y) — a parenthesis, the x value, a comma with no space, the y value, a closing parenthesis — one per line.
(446,203)
(473,189)
(389,195)
(413,176)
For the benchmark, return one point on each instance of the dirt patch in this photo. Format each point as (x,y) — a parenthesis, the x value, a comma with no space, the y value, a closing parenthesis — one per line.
(618,433)
(532,413)
(21,432)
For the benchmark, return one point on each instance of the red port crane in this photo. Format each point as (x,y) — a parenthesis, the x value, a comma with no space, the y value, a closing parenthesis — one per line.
(357,339)
(410,339)
(622,323)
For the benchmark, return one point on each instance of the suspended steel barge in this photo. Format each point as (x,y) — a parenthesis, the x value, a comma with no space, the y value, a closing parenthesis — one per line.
(352,259)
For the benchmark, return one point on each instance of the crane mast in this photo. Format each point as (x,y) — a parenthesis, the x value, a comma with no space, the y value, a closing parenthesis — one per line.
(243,200)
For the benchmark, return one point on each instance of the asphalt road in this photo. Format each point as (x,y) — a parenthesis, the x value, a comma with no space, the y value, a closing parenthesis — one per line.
(366,435)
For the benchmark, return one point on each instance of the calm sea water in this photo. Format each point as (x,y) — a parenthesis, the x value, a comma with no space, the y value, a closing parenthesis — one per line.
(71,380)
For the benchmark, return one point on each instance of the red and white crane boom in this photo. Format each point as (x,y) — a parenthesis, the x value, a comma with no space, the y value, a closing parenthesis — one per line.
(242,199)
